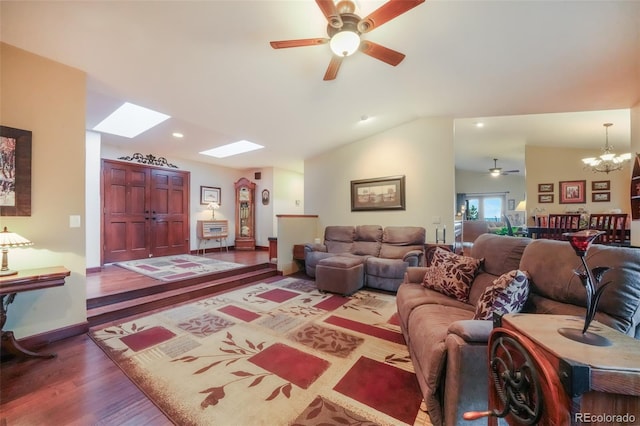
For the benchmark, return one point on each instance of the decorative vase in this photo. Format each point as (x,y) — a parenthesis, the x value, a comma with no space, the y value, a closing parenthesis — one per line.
(581,241)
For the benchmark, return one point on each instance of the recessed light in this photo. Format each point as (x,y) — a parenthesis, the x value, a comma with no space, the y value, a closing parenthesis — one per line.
(479,125)
(130,120)
(234,148)
(177,135)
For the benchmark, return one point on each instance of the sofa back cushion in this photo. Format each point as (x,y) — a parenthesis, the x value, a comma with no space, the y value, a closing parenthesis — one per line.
(367,240)
(551,263)
(339,239)
(398,240)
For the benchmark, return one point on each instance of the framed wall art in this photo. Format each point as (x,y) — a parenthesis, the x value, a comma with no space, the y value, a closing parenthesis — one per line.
(601,185)
(573,192)
(599,197)
(545,198)
(210,194)
(15,172)
(545,187)
(386,193)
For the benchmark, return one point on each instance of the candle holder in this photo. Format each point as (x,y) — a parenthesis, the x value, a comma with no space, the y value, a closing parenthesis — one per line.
(581,241)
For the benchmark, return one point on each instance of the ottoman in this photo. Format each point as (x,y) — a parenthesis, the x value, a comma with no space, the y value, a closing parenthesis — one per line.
(340,274)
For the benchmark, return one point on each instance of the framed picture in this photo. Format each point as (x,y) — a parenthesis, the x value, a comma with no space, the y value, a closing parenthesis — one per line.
(573,192)
(265,197)
(511,204)
(545,198)
(599,197)
(601,185)
(545,187)
(386,193)
(15,178)
(210,194)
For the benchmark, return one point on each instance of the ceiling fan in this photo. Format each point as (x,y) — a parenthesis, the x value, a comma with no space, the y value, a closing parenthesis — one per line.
(344,30)
(496,171)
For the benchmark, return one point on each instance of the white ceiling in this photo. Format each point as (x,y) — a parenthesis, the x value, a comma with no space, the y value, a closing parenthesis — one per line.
(209,65)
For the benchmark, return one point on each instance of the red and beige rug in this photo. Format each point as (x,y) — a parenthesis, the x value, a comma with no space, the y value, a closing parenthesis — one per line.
(178,267)
(277,353)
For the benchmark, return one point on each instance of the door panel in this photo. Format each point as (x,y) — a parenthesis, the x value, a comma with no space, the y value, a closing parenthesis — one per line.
(146,212)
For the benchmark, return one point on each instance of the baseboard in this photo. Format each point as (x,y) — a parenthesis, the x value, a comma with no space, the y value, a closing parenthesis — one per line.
(43,339)
(94,269)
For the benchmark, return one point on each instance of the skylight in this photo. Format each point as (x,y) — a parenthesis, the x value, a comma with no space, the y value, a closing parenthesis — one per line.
(234,148)
(130,120)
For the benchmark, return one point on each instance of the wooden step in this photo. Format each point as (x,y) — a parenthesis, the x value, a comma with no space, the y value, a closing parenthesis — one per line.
(115,307)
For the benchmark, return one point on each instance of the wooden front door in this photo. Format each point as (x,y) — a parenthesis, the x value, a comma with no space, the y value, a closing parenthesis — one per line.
(146,211)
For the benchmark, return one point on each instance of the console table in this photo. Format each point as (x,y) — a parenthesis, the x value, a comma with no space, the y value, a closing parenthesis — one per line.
(217,230)
(26,280)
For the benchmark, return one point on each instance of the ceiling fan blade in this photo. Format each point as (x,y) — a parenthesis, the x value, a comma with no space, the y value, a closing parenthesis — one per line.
(382,53)
(385,13)
(511,171)
(282,44)
(329,10)
(332,69)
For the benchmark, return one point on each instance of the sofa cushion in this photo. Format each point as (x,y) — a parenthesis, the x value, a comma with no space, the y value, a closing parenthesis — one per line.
(399,240)
(367,240)
(451,274)
(339,239)
(501,253)
(508,294)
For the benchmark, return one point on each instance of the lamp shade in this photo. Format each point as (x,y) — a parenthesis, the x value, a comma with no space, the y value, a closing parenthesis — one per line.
(522,206)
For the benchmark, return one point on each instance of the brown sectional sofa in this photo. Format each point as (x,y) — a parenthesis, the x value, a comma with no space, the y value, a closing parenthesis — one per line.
(449,349)
(385,252)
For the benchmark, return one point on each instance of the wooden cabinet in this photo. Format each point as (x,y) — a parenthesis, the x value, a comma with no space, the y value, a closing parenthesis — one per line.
(245,215)
(635,189)
(217,230)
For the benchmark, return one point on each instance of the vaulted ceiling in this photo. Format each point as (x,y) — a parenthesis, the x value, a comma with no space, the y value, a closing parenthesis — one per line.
(208,64)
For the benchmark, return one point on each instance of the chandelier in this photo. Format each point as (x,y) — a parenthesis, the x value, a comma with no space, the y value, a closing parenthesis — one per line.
(608,161)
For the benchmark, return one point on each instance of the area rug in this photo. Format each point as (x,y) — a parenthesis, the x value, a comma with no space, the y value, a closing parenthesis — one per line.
(277,353)
(179,267)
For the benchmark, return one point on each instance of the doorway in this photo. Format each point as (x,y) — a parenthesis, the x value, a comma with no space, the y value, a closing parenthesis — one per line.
(145,211)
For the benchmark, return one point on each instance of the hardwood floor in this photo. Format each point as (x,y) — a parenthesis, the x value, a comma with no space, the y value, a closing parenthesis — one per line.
(82,386)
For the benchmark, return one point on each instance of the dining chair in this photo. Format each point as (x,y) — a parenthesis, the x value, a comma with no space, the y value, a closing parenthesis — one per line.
(613,224)
(560,224)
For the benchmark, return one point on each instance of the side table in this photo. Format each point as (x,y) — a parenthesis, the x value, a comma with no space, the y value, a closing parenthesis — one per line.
(578,383)
(26,280)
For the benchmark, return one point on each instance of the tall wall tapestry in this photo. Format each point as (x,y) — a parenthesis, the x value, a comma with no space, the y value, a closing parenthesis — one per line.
(15,172)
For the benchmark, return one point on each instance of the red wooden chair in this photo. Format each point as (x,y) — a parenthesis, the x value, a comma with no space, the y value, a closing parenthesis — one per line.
(613,224)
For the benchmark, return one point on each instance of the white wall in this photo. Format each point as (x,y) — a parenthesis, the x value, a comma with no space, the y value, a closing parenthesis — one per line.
(422,150)
(635,148)
(93,202)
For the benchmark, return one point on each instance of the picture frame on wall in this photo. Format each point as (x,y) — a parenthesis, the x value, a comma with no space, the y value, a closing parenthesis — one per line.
(573,192)
(600,197)
(385,193)
(15,180)
(545,187)
(601,185)
(511,204)
(545,198)
(210,194)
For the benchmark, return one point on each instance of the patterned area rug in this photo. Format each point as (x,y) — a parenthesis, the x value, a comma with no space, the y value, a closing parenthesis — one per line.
(277,353)
(180,267)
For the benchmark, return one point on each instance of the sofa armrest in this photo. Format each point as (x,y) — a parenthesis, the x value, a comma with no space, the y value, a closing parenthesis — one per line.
(472,331)
(415,274)
(310,247)
(413,257)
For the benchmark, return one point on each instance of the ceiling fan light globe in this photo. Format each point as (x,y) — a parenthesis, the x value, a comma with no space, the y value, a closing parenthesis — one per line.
(345,43)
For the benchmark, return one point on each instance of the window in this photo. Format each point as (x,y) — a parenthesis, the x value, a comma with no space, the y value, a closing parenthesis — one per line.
(490,207)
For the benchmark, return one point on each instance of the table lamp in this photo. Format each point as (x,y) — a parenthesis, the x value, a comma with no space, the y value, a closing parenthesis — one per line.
(10,239)
(213,207)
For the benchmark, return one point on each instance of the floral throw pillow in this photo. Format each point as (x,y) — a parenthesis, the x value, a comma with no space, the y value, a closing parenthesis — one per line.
(451,274)
(506,295)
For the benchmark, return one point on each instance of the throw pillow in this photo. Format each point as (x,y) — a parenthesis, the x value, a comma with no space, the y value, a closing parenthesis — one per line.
(506,295)
(451,274)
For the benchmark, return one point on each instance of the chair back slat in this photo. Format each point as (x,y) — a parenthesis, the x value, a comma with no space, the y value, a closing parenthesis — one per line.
(562,223)
(613,224)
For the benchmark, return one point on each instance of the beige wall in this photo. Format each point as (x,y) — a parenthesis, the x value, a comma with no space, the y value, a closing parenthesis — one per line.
(552,165)
(422,150)
(48,99)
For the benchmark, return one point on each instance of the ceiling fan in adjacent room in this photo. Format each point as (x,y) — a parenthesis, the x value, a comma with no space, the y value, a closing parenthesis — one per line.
(345,28)
(496,171)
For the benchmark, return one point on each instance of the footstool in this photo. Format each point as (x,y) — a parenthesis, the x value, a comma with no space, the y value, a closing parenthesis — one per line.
(340,274)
